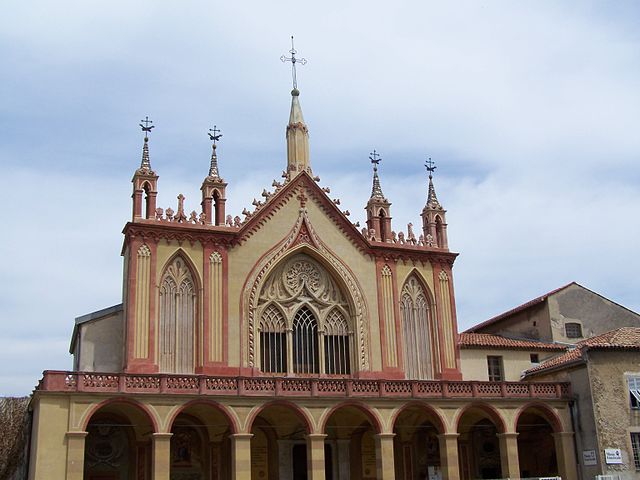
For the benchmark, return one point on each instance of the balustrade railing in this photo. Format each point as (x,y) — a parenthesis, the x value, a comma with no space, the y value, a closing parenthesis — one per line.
(59,381)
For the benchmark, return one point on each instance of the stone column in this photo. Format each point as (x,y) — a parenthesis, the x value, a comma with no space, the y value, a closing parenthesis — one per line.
(566,455)
(241,456)
(161,456)
(75,455)
(449,456)
(315,456)
(384,456)
(509,454)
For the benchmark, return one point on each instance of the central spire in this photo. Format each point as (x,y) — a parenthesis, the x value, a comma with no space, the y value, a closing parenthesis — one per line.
(297,132)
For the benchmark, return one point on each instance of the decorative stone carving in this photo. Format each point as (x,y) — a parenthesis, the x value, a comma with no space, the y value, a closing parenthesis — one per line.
(265,285)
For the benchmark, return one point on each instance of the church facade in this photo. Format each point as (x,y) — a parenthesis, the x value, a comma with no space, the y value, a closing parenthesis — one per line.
(290,344)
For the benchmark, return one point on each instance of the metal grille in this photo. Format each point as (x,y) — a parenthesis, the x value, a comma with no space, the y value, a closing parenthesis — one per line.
(573,330)
(305,342)
(336,345)
(635,446)
(273,341)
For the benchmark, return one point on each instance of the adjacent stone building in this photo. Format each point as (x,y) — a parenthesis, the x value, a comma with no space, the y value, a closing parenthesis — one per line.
(567,314)
(604,372)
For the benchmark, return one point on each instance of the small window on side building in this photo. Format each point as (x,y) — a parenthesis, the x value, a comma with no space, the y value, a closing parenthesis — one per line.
(573,330)
(494,368)
(535,358)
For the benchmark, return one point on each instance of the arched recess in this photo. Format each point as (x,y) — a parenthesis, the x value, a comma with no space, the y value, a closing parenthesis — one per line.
(201,441)
(118,441)
(537,453)
(478,426)
(350,449)
(416,443)
(278,445)
(324,278)
(419,332)
(179,323)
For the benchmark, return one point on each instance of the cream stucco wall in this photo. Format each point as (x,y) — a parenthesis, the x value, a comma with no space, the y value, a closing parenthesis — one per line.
(473,362)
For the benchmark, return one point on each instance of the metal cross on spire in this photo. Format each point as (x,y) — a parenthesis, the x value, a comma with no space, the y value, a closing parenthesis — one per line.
(375,159)
(215,136)
(430,166)
(293,61)
(146,128)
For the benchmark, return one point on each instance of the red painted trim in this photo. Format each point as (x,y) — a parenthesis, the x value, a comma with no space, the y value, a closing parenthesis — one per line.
(396,312)
(454,318)
(153,302)
(129,401)
(207,250)
(439,320)
(544,411)
(300,413)
(209,403)
(225,306)
(134,244)
(431,412)
(375,421)
(492,413)
(381,313)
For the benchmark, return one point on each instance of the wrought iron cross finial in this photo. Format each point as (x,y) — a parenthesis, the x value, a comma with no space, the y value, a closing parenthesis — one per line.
(146,128)
(375,159)
(215,136)
(431,166)
(293,61)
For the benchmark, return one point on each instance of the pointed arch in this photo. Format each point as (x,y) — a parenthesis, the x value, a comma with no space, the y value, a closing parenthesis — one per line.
(418,329)
(305,342)
(342,277)
(273,340)
(178,324)
(337,352)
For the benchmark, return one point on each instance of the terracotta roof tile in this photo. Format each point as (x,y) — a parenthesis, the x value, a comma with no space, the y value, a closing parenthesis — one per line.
(619,339)
(486,340)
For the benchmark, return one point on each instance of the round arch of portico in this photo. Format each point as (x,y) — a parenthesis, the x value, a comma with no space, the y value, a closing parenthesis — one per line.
(544,411)
(371,415)
(151,416)
(230,417)
(299,412)
(432,413)
(492,413)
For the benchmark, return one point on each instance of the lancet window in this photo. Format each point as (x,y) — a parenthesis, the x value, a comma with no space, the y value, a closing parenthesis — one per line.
(418,332)
(336,344)
(273,341)
(304,321)
(178,300)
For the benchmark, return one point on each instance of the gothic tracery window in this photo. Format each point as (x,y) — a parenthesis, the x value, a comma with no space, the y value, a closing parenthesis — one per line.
(417,330)
(177,319)
(304,321)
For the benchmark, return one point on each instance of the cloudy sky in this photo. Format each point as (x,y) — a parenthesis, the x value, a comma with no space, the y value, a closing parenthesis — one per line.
(530,109)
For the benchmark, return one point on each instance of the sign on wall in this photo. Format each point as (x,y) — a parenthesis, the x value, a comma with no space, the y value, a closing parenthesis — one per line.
(589,458)
(612,456)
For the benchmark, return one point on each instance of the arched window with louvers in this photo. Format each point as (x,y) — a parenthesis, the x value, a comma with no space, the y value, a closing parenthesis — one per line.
(177,319)
(418,331)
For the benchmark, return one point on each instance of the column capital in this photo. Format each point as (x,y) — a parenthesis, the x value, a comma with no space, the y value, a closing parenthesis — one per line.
(162,436)
(241,436)
(77,434)
(507,435)
(385,436)
(447,436)
(316,436)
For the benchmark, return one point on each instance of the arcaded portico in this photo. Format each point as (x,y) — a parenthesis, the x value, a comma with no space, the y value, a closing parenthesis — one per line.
(243,428)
